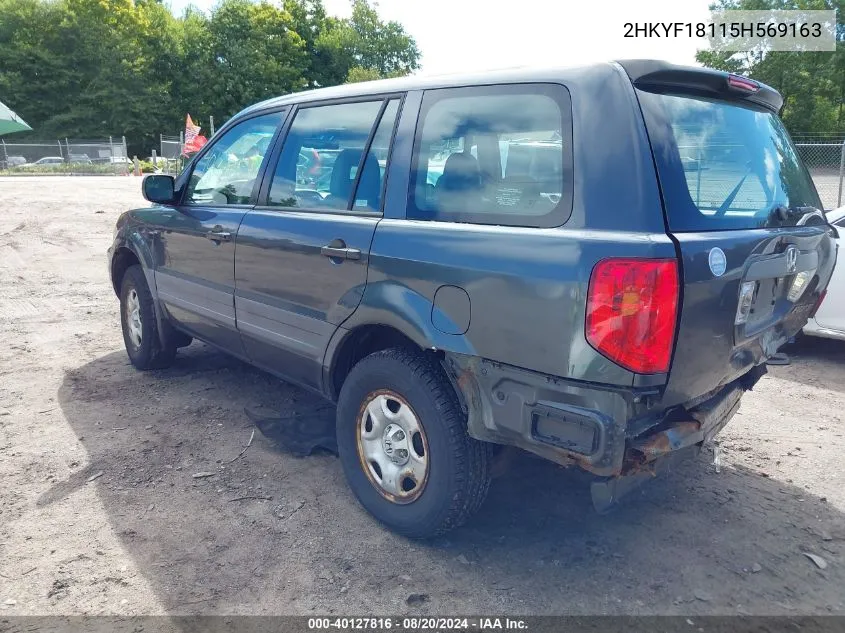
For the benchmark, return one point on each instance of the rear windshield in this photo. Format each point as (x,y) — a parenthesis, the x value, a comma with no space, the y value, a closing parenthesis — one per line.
(724,165)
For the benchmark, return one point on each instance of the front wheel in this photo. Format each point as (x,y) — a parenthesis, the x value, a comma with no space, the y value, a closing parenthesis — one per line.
(138,320)
(404,446)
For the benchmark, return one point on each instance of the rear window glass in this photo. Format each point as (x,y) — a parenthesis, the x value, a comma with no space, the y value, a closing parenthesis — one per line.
(494,155)
(724,165)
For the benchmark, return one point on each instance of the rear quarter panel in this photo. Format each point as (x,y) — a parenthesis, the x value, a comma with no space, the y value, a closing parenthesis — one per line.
(527,286)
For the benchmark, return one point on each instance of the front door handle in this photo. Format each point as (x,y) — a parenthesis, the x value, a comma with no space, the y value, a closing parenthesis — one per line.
(340,252)
(219,236)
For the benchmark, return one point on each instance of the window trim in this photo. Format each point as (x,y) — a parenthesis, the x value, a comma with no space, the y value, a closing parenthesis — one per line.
(560,214)
(284,111)
(267,181)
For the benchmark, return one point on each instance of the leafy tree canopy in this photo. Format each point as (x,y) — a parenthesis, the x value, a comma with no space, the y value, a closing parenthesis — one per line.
(812,83)
(90,68)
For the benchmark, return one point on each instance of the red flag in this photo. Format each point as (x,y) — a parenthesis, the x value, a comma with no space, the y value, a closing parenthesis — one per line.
(193,140)
(195,145)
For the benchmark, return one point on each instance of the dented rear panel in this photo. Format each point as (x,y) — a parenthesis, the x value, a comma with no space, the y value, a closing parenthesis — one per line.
(755,250)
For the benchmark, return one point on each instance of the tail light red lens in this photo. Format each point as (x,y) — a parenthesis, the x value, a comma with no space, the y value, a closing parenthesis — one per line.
(632,308)
(742,83)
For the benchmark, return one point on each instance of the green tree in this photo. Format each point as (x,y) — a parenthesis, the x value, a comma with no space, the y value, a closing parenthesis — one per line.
(364,41)
(93,68)
(257,55)
(812,83)
(356,74)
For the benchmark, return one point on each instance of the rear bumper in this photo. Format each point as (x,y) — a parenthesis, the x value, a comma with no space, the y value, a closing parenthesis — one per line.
(611,432)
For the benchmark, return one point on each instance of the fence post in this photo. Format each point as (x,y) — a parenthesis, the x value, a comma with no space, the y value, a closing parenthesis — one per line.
(60,148)
(841,174)
(111,157)
(123,142)
(211,124)
(181,150)
(5,155)
(154,160)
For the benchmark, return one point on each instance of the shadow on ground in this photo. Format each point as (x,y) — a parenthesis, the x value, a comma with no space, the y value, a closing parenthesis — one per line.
(270,533)
(814,361)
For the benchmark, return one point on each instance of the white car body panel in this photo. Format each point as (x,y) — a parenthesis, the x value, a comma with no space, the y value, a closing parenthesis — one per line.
(829,321)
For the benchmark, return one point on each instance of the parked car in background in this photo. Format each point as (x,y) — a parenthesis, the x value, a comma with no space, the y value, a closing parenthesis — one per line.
(47,160)
(534,266)
(15,161)
(79,159)
(829,319)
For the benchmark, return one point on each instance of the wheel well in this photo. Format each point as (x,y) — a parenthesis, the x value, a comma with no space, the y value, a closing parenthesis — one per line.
(362,342)
(123,259)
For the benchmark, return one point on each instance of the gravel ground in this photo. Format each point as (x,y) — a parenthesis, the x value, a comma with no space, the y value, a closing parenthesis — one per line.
(100,512)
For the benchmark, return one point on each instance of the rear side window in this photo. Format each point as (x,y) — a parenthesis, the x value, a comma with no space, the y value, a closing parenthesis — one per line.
(494,155)
(725,165)
(323,152)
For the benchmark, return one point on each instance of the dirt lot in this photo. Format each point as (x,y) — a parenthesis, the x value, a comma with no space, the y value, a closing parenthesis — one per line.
(146,537)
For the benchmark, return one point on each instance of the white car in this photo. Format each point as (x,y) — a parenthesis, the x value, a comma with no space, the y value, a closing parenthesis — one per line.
(47,160)
(829,320)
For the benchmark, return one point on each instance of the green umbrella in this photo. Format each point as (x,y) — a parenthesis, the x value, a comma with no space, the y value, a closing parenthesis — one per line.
(10,122)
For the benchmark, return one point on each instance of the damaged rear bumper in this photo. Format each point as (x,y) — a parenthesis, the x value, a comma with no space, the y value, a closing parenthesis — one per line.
(660,450)
(622,435)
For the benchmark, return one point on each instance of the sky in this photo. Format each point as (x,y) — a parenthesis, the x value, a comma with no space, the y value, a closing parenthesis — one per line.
(470,35)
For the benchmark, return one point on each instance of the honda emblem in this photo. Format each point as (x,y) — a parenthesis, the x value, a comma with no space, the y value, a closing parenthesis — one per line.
(791,259)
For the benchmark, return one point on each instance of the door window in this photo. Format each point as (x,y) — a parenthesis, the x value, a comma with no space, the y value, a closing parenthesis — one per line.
(319,163)
(226,173)
(371,185)
(494,155)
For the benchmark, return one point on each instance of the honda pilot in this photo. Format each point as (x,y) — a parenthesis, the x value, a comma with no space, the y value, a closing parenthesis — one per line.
(590,264)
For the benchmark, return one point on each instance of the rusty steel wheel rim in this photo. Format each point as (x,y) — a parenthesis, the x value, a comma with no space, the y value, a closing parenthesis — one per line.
(392,446)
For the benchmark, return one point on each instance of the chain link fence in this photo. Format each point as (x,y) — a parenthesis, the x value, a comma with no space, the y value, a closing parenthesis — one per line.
(169,159)
(826,162)
(65,157)
(824,157)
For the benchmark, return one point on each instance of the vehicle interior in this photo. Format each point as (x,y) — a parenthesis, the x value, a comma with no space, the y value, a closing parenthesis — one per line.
(498,162)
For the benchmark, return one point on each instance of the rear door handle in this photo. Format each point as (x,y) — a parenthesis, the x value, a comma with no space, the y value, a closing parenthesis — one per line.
(219,236)
(337,252)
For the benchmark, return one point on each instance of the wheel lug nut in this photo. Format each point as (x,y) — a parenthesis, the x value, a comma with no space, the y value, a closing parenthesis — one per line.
(398,436)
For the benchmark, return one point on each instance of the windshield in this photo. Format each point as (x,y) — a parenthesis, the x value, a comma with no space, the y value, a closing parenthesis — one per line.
(724,165)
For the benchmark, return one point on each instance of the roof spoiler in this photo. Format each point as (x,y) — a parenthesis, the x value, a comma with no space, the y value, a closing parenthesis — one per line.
(665,77)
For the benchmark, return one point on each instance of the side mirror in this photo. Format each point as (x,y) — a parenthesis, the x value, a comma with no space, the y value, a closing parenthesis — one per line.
(158,188)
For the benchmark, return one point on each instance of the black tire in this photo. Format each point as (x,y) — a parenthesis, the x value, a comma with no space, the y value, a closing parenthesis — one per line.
(150,353)
(459,467)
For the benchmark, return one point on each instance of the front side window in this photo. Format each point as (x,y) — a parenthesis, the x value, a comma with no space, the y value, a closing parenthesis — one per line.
(319,163)
(494,155)
(226,173)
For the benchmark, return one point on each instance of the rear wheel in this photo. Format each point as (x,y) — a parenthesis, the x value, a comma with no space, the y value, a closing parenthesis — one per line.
(404,446)
(138,320)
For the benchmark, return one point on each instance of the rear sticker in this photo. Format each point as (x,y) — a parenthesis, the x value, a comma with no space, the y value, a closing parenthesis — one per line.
(718,262)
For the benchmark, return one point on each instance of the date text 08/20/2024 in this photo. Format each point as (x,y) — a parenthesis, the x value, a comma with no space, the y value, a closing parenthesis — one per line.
(416,624)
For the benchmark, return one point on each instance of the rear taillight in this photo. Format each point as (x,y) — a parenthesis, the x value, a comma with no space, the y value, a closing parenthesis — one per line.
(632,307)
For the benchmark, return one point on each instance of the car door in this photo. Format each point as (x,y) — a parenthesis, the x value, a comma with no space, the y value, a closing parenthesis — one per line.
(831,313)
(195,274)
(301,256)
